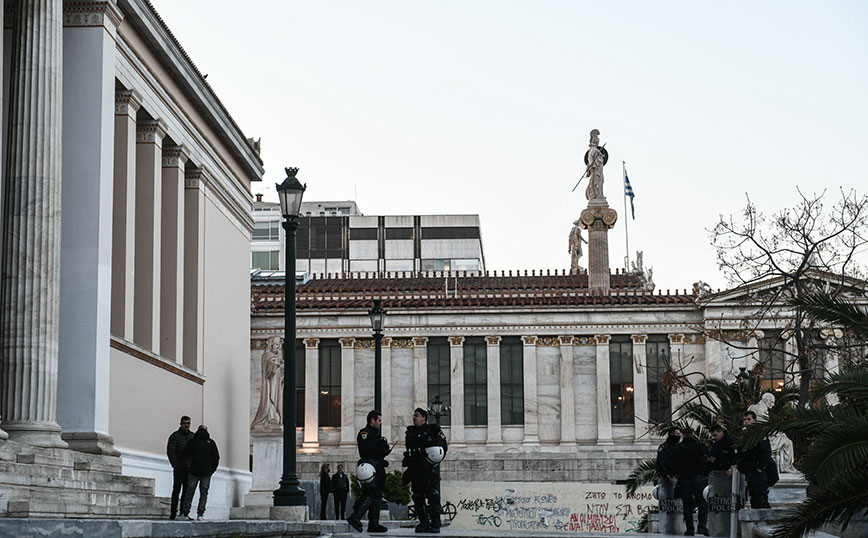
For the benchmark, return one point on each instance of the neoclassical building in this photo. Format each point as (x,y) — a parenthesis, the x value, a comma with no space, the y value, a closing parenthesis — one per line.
(126,240)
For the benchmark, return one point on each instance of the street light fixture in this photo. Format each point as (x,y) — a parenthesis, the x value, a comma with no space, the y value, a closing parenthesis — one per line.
(378,320)
(438,409)
(289,493)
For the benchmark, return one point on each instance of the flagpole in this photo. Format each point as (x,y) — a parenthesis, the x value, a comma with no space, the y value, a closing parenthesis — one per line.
(626,232)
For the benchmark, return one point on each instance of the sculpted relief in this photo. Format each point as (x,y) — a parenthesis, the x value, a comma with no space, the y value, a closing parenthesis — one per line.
(270,410)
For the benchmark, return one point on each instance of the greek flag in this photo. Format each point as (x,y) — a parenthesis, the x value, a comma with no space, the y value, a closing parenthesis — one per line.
(628,191)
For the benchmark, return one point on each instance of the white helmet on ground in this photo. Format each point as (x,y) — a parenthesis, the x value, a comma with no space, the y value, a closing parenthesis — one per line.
(365,473)
(706,493)
(434,454)
(657,492)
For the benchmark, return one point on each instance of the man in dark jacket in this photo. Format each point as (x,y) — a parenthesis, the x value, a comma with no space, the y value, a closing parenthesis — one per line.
(753,462)
(204,459)
(690,457)
(373,449)
(340,489)
(423,473)
(724,452)
(180,466)
(666,455)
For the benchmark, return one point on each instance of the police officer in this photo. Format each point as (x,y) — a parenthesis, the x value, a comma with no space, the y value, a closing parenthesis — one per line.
(423,469)
(690,457)
(724,452)
(753,462)
(666,455)
(373,449)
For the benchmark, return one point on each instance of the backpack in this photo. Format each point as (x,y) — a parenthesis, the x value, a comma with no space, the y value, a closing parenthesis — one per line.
(772,474)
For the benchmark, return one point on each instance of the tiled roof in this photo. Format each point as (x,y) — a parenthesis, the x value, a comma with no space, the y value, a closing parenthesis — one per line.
(429,290)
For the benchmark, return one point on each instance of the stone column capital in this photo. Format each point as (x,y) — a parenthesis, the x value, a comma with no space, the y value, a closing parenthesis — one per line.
(456,341)
(492,340)
(196,178)
(175,156)
(676,338)
(529,340)
(150,132)
(127,103)
(347,343)
(640,338)
(311,343)
(566,340)
(387,342)
(420,341)
(602,339)
(92,15)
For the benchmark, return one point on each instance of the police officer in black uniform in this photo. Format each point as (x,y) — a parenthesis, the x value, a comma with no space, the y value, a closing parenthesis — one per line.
(373,449)
(690,458)
(423,475)
(753,463)
(666,455)
(724,450)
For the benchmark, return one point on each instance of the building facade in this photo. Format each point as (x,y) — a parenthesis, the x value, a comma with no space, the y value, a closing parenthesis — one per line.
(127,223)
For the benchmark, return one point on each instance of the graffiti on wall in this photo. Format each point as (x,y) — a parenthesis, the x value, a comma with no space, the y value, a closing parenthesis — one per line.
(552,506)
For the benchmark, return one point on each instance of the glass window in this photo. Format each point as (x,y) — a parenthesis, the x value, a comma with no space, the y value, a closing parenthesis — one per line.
(329,383)
(438,374)
(363,265)
(268,260)
(465,265)
(399,265)
(511,381)
(399,233)
(436,265)
(621,378)
(266,230)
(475,382)
(317,238)
(772,356)
(363,234)
(657,360)
(451,232)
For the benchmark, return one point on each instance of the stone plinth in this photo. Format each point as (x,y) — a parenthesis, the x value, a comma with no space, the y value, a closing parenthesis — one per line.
(289,513)
(598,219)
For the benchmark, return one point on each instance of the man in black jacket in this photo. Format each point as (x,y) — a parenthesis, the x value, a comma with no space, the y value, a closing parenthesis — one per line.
(724,452)
(753,463)
(422,473)
(666,455)
(180,466)
(340,489)
(690,457)
(204,459)
(373,449)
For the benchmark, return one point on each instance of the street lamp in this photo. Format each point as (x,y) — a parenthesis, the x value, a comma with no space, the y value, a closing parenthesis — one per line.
(289,493)
(438,409)
(378,320)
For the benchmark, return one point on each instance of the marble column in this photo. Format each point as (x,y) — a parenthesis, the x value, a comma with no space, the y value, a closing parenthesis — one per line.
(604,390)
(30,288)
(195,181)
(531,401)
(127,103)
(676,349)
(495,430)
(714,355)
(311,393)
(791,362)
(146,321)
(641,414)
(348,392)
(386,385)
(86,244)
(172,253)
(831,337)
(752,353)
(420,371)
(456,386)
(598,219)
(568,395)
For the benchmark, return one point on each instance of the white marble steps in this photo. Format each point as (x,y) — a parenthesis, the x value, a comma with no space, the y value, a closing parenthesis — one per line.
(51,483)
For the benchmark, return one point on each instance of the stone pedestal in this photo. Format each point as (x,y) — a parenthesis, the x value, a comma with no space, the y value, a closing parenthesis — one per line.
(598,219)
(289,513)
(267,469)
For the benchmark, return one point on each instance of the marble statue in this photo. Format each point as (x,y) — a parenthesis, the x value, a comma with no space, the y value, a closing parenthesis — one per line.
(575,248)
(637,265)
(270,410)
(595,159)
(782,447)
(701,288)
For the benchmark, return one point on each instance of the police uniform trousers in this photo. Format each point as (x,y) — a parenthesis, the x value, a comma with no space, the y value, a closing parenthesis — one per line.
(426,487)
(691,497)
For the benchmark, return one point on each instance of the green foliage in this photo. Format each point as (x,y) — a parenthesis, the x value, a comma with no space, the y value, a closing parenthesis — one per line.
(644,473)
(396,491)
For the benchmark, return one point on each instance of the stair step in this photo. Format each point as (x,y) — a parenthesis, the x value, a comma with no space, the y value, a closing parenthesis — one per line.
(92,498)
(54,477)
(41,508)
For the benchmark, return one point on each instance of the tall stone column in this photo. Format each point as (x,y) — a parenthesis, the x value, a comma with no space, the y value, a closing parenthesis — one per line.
(420,371)
(127,103)
(311,393)
(641,414)
(30,288)
(456,386)
(195,181)
(598,219)
(86,245)
(531,401)
(387,387)
(348,392)
(676,349)
(568,395)
(604,390)
(495,430)
(172,254)
(146,323)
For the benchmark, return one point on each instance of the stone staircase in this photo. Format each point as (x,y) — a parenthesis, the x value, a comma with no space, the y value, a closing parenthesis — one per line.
(61,483)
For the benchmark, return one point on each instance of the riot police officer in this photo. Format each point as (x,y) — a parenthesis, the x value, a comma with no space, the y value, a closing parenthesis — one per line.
(426,447)
(724,452)
(690,457)
(373,449)
(753,463)
(666,455)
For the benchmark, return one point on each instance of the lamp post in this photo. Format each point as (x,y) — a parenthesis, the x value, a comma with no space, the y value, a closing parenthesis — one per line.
(378,320)
(438,409)
(289,493)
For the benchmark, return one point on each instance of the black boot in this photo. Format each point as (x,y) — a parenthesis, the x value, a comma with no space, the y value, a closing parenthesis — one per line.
(374,518)
(434,517)
(689,526)
(422,514)
(359,508)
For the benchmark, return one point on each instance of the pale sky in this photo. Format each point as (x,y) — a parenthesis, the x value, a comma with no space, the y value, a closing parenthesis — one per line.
(484,107)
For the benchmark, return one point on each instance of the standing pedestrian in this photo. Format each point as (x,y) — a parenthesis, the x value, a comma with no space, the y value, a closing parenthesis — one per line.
(325,487)
(690,457)
(666,455)
(340,489)
(426,448)
(373,449)
(204,460)
(724,452)
(753,462)
(180,465)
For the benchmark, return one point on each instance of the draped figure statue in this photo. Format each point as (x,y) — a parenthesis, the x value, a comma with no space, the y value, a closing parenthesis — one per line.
(270,410)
